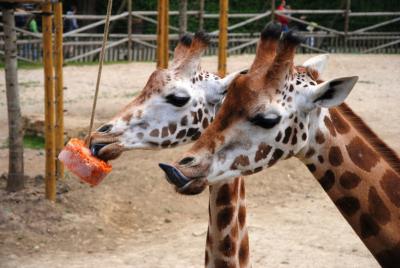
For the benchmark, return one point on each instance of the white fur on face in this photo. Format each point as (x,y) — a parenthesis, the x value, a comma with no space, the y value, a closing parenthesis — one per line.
(159,124)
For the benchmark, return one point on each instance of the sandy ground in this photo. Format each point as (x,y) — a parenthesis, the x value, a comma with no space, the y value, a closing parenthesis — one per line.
(134,219)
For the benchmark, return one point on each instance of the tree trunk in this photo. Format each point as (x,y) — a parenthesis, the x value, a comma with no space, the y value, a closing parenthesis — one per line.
(182,17)
(201,15)
(15,180)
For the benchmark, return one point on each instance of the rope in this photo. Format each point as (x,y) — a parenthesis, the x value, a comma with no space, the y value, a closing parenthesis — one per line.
(101,60)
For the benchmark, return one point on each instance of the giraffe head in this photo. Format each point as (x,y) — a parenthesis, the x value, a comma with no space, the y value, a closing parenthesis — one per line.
(265,117)
(174,107)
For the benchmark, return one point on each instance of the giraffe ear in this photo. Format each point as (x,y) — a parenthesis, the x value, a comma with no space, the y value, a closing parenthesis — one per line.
(217,91)
(227,80)
(331,93)
(317,63)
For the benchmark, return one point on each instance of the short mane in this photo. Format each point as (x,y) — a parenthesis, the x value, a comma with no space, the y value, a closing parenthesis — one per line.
(380,146)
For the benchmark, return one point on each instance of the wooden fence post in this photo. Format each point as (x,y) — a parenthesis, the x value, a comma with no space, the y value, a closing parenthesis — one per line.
(201,15)
(59,86)
(182,17)
(15,180)
(130,30)
(160,22)
(50,177)
(223,36)
(162,34)
(166,31)
(346,23)
(272,10)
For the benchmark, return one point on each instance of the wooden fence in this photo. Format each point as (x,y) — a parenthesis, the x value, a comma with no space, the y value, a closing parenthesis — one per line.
(80,46)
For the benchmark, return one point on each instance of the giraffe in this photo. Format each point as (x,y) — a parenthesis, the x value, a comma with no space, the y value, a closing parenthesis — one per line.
(174,108)
(286,111)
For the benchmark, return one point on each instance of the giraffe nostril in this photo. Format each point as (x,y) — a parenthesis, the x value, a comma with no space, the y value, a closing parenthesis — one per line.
(105,128)
(186,161)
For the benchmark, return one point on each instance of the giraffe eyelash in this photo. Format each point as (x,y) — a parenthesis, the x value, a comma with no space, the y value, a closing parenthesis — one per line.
(177,101)
(265,122)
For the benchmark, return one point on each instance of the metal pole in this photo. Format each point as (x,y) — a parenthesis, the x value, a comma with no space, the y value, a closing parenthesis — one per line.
(223,37)
(130,30)
(59,81)
(15,180)
(50,176)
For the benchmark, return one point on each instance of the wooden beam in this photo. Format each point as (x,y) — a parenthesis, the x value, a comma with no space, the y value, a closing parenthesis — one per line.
(59,86)
(223,36)
(50,176)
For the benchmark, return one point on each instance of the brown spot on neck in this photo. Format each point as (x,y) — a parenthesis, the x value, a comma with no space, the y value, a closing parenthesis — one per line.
(242,216)
(389,258)
(349,180)
(226,196)
(380,146)
(225,216)
(361,154)
(348,205)
(390,183)
(335,156)
(368,226)
(328,180)
(227,246)
(377,207)
(329,126)
(319,137)
(244,251)
(341,126)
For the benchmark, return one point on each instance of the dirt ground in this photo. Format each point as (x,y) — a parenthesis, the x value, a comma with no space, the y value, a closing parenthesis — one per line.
(134,218)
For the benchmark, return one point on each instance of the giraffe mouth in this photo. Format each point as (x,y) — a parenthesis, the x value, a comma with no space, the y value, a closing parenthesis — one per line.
(106,152)
(183,184)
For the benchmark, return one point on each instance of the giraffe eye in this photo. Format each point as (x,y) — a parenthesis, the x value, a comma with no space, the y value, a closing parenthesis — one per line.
(267,122)
(177,101)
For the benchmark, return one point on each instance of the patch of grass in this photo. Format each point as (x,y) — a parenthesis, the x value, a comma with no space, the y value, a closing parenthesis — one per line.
(33,142)
(24,65)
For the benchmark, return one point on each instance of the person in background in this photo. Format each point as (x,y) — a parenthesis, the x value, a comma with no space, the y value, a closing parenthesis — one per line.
(33,27)
(70,25)
(282,20)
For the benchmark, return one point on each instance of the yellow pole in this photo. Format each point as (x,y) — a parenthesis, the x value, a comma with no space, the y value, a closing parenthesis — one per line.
(50,177)
(160,22)
(165,34)
(59,98)
(223,37)
(162,34)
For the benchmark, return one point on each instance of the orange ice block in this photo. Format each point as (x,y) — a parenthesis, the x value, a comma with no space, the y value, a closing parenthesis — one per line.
(80,161)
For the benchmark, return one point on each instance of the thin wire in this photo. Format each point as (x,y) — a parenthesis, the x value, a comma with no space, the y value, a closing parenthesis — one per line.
(105,35)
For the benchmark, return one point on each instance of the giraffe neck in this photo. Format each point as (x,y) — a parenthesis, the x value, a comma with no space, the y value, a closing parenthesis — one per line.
(359,179)
(227,237)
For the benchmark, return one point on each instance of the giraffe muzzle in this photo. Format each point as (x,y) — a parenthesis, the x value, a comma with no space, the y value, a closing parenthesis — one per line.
(183,184)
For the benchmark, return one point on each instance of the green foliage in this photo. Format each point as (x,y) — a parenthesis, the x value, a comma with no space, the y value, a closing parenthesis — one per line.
(33,142)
